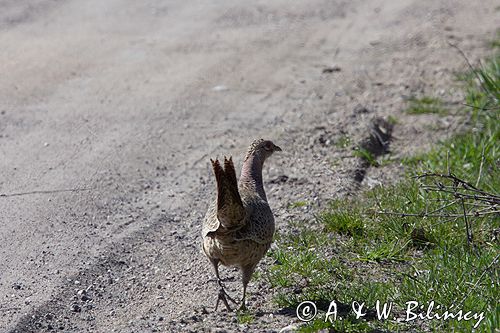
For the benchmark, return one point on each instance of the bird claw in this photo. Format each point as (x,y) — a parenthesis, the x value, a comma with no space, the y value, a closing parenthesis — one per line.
(223,296)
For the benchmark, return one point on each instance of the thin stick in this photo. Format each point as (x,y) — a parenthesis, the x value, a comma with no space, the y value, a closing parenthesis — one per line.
(443,188)
(467,229)
(492,200)
(484,205)
(480,168)
(4,195)
(486,208)
(454,178)
(438,215)
(445,206)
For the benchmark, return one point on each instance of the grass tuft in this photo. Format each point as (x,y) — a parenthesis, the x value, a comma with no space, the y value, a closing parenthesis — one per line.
(244,317)
(367,156)
(425,105)
(297,204)
(342,222)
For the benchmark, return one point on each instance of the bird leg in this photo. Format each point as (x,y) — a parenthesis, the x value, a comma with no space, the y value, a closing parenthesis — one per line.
(247,272)
(243,306)
(223,296)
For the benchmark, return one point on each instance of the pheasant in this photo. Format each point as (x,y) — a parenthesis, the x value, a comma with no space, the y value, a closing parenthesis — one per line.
(239,225)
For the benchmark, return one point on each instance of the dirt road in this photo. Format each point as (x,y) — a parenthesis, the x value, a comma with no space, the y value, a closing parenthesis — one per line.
(110,110)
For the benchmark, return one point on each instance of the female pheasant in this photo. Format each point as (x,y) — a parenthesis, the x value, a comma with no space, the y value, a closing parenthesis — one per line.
(239,225)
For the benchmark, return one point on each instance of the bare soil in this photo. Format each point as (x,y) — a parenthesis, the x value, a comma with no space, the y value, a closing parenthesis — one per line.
(110,111)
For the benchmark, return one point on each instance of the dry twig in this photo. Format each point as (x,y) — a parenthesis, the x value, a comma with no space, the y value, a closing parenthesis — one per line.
(460,200)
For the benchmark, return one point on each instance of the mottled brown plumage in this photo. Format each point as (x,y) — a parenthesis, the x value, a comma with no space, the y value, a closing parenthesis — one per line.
(239,225)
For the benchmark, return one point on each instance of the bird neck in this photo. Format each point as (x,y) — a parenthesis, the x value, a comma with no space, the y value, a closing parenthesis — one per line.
(251,175)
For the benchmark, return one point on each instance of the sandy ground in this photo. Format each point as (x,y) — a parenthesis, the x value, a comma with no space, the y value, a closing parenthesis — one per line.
(110,111)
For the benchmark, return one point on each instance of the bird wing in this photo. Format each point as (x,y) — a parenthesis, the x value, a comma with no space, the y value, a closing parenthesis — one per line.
(260,228)
(210,223)
(228,211)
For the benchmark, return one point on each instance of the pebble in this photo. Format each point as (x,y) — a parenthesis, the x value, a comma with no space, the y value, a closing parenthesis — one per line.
(220,88)
(331,69)
(86,298)
(289,328)
(76,308)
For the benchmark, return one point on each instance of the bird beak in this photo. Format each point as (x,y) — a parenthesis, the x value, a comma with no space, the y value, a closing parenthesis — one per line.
(276,148)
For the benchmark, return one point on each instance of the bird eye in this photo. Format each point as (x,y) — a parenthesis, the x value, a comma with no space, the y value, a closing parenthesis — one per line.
(268,146)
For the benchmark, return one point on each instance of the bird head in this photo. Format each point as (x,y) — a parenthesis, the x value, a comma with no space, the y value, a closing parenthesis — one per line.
(262,148)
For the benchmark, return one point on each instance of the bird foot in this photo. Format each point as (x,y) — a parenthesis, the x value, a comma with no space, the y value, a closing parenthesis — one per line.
(223,296)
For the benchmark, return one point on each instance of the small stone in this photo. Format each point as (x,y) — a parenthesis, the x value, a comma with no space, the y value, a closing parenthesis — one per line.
(289,328)
(76,308)
(195,318)
(86,298)
(220,88)
(331,69)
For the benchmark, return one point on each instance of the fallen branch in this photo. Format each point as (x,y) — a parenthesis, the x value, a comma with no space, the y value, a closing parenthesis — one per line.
(475,214)
(460,199)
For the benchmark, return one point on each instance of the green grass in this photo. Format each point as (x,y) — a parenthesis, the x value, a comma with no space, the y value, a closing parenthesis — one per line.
(343,222)
(425,105)
(367,156)
(368,248)
(297,204)
(244,317)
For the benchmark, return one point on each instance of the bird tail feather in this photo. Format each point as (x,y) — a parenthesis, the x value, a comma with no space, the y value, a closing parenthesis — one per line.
(230,210)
